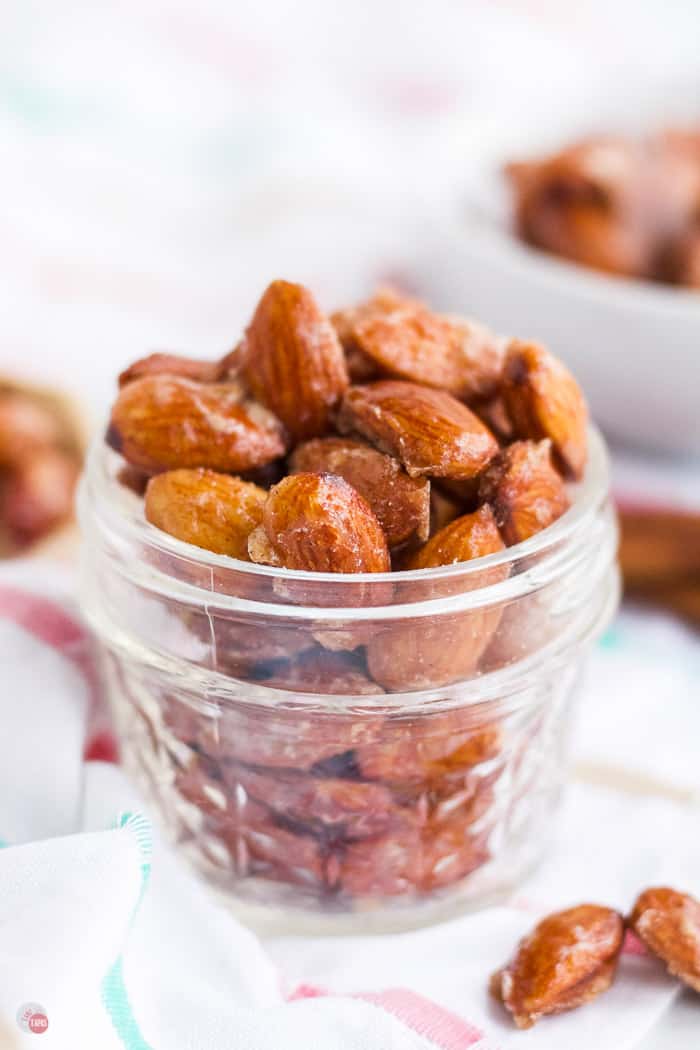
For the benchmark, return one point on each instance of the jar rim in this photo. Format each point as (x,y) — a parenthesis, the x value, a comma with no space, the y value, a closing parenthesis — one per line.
(586,498)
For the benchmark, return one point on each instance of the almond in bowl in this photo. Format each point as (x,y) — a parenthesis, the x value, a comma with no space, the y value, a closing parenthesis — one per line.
(314,613)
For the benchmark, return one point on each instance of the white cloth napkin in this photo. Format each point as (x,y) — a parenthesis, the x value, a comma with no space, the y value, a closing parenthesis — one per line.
(107,940)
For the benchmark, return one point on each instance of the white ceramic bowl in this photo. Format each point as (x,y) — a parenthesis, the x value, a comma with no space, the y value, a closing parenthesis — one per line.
(634,345)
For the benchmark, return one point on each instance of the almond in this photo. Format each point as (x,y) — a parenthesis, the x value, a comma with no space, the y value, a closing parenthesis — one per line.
(38,494)
(401,503)
(409,859)
(423,749)
(429,431)
(210,510)
(164,422)
(526,492)
(668,923)
(495,415)
(297,736)
(471,536)
(591,203)
(387,866)
(172,365)
(293,360)
(318,671)
(230,366)
(444,508)
(26,426)
(319,523)
(405,340)
(324,804)
(435,651)
(568,960)
(544,400)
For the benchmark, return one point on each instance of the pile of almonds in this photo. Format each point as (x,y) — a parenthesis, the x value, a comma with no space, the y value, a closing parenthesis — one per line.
(572,956)
(395,438)
(40,460)
(385,437)
(625,206)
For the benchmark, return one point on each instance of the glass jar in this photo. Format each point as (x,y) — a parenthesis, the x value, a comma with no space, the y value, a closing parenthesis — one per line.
(338,752)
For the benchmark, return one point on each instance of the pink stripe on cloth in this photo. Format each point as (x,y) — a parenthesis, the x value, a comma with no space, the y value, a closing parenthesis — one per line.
(48,622)
(306,991)
(426,1018)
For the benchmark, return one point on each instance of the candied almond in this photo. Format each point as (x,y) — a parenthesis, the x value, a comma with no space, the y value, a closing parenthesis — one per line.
(26,427)
(386,866)
(451,852)
(426,748)
(433,652)
(444,508)
(38,494)
(668,923)
(568,959)
(229,367)
(544,400)
(210,510)
(285,856)
(405,340)
(294,738)
(471,536)
(319,523)
(684,259)
(427,430)
(293,360)
(591,203)
(400,503)
(352,808)
(410,859)
(495,415)
(163,422)
(319,671)
(526,492)
(170,364)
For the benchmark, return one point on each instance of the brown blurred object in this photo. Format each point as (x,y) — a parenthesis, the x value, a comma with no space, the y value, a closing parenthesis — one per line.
(660,559)
(624,206)
(42,443)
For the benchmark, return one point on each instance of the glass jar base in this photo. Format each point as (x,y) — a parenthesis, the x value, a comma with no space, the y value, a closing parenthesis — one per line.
(271,921)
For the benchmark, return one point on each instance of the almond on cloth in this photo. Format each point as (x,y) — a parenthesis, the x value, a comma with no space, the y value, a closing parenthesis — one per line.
(427,430)
(544,400)
(210,510)
(400,503)
(568,959)
(319,523)
(668,923)
(293,361)
(524,490)
(163,422)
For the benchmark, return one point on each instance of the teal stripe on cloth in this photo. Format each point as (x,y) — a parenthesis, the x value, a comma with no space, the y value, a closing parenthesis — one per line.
(114,994)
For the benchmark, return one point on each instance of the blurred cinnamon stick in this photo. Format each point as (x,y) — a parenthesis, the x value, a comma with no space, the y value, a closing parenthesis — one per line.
(660,558)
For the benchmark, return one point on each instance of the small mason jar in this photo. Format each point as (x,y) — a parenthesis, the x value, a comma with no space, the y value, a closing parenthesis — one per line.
(333,752)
